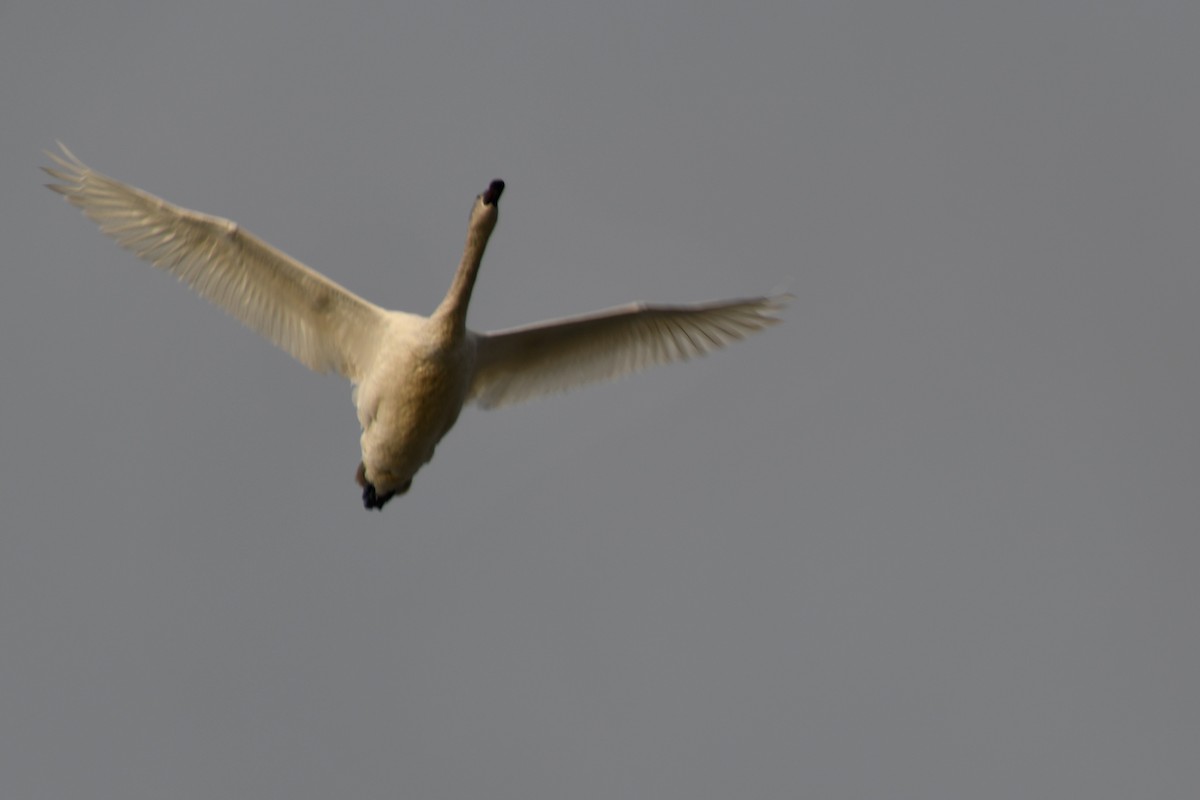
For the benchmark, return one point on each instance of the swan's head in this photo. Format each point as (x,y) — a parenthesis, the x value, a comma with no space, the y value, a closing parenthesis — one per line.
(486,210)
(492,195)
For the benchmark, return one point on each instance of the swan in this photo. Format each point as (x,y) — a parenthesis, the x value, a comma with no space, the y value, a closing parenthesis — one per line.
(411,375)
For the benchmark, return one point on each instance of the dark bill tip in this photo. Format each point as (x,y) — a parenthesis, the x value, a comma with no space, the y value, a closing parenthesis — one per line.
(492,195)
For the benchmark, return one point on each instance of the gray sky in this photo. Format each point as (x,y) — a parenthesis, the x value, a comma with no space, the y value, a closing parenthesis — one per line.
(933,537)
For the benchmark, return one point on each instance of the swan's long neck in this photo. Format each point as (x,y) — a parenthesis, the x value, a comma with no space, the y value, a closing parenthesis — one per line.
(451,315)
(453,309)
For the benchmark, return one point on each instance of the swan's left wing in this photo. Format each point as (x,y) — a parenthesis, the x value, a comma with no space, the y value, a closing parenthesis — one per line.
(548,357)
(321,324)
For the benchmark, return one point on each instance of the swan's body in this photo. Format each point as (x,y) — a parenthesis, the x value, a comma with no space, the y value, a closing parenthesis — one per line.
(412,374)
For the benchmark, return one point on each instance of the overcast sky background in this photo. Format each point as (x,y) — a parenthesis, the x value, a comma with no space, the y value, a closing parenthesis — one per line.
(933,537)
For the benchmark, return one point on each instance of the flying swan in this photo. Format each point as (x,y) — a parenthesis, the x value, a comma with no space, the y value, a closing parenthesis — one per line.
(411,374)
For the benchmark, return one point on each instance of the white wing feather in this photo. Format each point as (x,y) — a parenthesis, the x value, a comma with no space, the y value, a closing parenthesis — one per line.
(549,357)
(321,324)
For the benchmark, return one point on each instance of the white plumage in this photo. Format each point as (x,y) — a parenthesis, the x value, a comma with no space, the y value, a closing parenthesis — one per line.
(412,374)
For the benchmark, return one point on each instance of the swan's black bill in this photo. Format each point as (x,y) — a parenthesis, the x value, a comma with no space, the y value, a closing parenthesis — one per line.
(492,195)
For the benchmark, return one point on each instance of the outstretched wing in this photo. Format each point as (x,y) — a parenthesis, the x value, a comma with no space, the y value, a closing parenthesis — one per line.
(548,357)
(322,325)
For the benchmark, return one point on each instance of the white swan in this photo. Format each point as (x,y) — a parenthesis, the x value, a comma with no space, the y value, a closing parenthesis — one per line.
(411,374)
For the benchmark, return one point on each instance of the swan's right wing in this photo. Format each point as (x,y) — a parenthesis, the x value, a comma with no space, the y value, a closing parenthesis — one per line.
(321,324)
(519,364)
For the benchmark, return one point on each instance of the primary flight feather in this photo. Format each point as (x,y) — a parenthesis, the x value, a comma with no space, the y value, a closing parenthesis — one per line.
(412,374)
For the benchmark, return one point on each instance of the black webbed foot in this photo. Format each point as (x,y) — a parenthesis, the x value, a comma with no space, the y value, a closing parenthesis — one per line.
(373,500)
